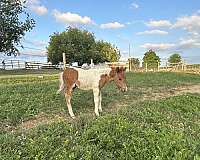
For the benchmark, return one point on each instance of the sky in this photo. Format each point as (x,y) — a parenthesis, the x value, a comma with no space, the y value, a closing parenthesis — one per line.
(164,26)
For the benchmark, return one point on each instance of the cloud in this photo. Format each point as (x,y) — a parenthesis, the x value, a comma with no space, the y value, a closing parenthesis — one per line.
(40,10)
(159,32)
(71,18)
(112,25)
(32,2)
(128,23)
(134,5)
(34,52)
(182,44)
(158,46)
(159,23)
(189,23)
(36,43)
(189,43)
(36,7)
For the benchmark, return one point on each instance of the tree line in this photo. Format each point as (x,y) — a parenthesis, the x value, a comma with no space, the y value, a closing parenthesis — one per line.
(80,46)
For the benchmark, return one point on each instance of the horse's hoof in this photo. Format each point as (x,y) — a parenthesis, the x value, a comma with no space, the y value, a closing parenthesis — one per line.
(58,92)
(97,114)
(73,117)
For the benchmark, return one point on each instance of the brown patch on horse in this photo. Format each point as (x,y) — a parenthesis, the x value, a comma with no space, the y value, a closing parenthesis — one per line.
(104,79)
(70,77)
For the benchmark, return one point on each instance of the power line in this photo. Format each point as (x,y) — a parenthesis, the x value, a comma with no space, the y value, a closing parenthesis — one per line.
(34,48)
(26,54)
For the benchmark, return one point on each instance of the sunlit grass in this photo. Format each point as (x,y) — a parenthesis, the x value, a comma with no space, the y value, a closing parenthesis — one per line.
(162,129)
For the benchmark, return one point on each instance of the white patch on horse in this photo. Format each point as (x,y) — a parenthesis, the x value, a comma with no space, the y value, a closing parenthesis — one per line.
(89,79)
(62,86)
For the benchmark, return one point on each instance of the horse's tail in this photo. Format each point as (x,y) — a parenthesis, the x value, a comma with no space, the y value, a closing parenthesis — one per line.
(62,85)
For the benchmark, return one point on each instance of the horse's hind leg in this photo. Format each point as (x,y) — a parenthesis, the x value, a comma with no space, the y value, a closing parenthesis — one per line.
(96,101)
(68,96)
(62,86)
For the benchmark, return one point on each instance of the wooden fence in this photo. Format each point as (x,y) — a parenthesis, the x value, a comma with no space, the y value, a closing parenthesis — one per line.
(176,67)
(19,64)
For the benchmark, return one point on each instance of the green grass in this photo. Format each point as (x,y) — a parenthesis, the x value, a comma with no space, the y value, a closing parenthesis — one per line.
(162,129)
(25,72)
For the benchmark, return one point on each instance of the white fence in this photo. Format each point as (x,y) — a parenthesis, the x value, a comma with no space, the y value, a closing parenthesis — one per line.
(19,64)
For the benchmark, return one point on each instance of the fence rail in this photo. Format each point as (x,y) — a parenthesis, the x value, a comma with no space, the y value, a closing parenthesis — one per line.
(175,67)
(19,64)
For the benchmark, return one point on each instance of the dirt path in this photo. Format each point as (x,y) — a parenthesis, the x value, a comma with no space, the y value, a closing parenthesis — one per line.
(191,89)
(154,95)
(176,91)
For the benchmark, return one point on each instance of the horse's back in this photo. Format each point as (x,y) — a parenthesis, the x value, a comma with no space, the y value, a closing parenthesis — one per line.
(89,79)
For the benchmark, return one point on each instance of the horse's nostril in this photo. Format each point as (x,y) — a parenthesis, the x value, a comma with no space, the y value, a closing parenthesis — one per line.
(123,89)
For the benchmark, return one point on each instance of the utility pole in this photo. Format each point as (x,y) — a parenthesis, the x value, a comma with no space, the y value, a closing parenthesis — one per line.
(129,59)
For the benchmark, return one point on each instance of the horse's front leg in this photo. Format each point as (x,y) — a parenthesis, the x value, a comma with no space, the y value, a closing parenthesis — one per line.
(100,109)
(96,100)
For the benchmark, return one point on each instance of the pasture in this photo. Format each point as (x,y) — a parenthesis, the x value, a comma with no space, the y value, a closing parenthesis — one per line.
(157,118)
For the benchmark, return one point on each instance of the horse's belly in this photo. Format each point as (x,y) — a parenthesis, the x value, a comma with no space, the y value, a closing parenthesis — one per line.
(87,84)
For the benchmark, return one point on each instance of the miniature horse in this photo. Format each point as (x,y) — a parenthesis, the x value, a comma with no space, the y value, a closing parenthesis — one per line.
(92,79)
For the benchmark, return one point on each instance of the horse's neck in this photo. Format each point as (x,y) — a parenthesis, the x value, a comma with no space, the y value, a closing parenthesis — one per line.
(103,81)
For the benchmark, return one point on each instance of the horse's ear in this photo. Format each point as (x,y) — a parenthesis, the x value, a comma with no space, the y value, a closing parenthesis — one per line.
(113,71)
(117,69)
(112,67)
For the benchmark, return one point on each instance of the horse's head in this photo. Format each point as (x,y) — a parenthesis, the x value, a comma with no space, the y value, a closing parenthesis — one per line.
(118,76)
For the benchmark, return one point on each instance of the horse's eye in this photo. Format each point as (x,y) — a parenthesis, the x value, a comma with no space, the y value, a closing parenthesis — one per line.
(120,79)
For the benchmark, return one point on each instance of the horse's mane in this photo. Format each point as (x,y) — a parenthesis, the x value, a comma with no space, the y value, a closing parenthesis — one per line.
(98,66)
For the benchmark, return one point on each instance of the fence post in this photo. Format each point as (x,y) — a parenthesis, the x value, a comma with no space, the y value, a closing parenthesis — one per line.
(185,66)
(3,65)
(91,63)
(64,61)
(11,63)
(18,64)
(182,67)
(146,67)
(158,66)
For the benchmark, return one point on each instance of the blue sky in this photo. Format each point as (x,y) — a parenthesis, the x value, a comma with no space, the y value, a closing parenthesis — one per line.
(165,26)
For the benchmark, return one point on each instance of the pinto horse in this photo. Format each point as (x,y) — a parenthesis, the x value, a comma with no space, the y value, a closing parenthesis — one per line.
(91,79)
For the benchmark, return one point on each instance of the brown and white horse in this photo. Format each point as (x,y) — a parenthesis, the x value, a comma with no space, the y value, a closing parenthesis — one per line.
(92,79)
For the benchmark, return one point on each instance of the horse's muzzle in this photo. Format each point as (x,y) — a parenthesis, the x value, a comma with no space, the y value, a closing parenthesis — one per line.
(124,89)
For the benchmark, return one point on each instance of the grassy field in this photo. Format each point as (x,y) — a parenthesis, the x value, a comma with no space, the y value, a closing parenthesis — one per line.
(138,124)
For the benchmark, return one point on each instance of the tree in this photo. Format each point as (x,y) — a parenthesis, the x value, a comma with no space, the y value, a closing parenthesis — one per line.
(151,59)
(12,27)
(135,63)
(108,52)
(80,46)
(174,58)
